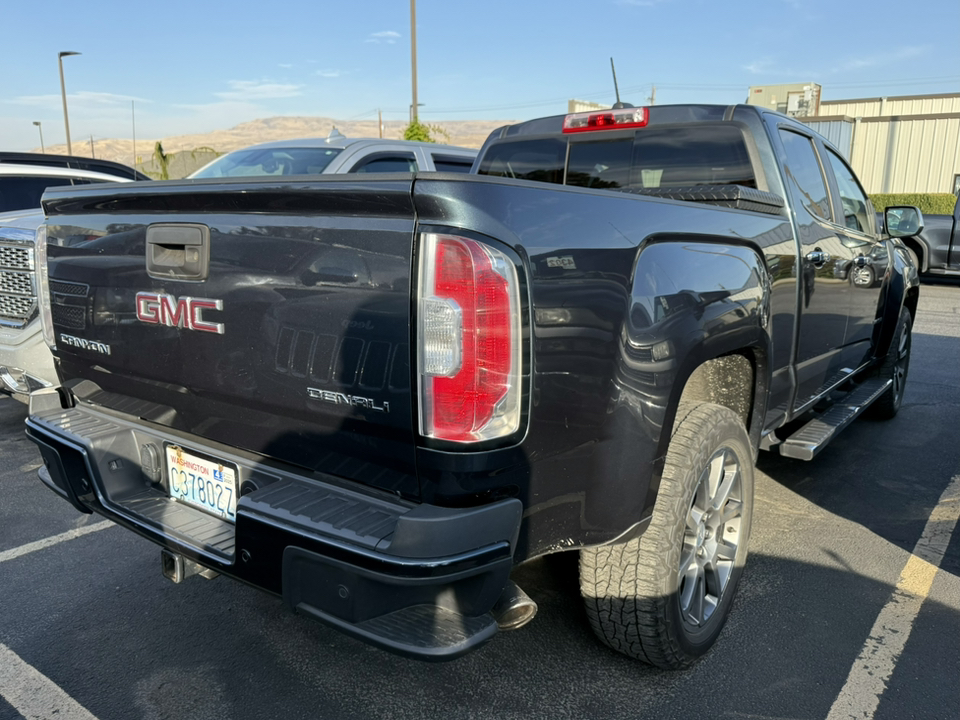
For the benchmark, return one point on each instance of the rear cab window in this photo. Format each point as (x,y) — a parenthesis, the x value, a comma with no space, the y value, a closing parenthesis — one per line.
(651,158)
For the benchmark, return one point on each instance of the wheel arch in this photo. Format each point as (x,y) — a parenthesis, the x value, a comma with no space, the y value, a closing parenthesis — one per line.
(737,379)
(902,290)
(919,247)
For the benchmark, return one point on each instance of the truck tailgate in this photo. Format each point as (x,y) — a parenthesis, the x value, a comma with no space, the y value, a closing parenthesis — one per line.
(271,318)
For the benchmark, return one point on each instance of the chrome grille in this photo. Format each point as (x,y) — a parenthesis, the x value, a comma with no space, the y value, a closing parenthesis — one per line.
(18,296)
(20,283)
(16,308)
(15,258)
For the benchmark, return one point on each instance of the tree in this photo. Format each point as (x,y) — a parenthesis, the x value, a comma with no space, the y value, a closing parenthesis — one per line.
(162,159)
(421,132)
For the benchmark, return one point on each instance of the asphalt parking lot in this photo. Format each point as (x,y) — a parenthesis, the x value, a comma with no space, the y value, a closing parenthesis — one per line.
(850,605)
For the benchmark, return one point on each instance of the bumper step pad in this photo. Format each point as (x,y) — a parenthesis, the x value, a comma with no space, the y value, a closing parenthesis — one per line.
(813,437)
(417,579)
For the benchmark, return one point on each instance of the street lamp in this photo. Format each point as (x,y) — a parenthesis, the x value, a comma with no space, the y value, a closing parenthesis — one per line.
(413,59)
(63,93)
(40,128)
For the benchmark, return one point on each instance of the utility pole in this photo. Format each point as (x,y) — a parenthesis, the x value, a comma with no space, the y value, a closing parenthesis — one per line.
(133,117)
(63,92)
(40,128)
(653,96)
(413,58)
(380,122)
(91,148)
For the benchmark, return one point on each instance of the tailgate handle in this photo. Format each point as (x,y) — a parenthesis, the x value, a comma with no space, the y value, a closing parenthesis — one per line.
(178,251)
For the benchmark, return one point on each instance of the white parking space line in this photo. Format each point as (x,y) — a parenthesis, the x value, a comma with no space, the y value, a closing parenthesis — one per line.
(34,695)
(54,540)
(873,668)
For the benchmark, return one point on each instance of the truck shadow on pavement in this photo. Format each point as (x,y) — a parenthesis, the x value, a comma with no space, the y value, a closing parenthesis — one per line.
(124,642)
(887,476)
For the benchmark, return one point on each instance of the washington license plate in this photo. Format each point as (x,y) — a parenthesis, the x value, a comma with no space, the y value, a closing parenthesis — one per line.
(202,482)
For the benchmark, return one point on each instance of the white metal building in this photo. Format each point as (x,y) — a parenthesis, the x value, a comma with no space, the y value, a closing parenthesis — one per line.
(796,99)
(897,144)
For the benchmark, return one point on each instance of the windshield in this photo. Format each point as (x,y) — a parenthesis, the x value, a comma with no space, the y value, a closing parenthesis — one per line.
(269,161)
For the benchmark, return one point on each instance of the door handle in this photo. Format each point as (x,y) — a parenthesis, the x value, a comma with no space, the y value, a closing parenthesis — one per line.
(818,257)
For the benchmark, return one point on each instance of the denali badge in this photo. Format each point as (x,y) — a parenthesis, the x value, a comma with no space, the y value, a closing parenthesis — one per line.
(93,345)
(335,398)
(184,312)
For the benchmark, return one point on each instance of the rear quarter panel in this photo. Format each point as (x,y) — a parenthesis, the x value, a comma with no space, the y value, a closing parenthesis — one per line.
(610,276)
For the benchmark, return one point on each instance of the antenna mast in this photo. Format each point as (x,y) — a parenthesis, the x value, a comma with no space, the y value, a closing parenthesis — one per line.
(616,90)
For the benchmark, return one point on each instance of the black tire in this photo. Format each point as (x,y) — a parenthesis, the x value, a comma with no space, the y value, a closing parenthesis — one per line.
(636,600)
(894,367)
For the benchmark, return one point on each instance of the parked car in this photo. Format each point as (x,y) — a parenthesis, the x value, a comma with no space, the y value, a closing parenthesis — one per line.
(22,186)
(375,396)
(338,154)
(73,162)
(25,361)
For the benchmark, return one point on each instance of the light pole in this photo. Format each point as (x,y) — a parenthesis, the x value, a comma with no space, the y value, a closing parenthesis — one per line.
(413,58)
(40,128)
(63,93)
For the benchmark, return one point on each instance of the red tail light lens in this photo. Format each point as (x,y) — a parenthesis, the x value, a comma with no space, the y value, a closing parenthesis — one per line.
(469,340)
(606,120)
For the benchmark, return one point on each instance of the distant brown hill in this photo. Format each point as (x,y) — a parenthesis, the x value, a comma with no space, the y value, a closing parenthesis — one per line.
(468,133)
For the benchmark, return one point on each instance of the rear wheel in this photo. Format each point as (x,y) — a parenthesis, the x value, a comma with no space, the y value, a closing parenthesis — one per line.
(894,367)
(862,276)
(664,597)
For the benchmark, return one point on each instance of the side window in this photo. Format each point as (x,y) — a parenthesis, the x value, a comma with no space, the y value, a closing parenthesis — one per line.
(857,213)
(22,192)
(386,163)
(450,163)
(803,172)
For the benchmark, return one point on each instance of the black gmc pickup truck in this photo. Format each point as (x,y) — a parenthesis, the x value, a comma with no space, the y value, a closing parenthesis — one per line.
(935,244)
(375,396)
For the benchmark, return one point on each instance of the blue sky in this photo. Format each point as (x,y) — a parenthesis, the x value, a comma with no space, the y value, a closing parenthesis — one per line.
(193,67)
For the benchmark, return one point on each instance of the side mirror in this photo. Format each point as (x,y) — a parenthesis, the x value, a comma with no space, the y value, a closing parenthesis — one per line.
(902,221)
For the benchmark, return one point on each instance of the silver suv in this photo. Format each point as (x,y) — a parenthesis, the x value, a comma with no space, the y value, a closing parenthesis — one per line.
(338,154)
(25,361)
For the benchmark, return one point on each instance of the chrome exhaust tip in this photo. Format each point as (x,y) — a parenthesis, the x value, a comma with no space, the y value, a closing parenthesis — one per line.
(514,609)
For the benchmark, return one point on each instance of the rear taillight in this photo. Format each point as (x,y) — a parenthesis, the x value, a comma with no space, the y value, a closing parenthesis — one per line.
(469,340)
(606,120)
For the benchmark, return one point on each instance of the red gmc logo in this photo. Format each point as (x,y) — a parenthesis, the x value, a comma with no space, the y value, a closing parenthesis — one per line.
(182,313)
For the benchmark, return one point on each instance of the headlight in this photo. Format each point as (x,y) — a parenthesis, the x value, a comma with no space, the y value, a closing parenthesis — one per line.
(43,294)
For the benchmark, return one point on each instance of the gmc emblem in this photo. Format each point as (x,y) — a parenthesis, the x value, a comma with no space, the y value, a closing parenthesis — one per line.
(180,313)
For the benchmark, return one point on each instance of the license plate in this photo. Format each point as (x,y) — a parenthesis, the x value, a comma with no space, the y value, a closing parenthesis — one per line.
(202,482)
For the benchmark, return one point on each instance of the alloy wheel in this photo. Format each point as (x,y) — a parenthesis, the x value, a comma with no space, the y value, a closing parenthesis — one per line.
(711,537)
